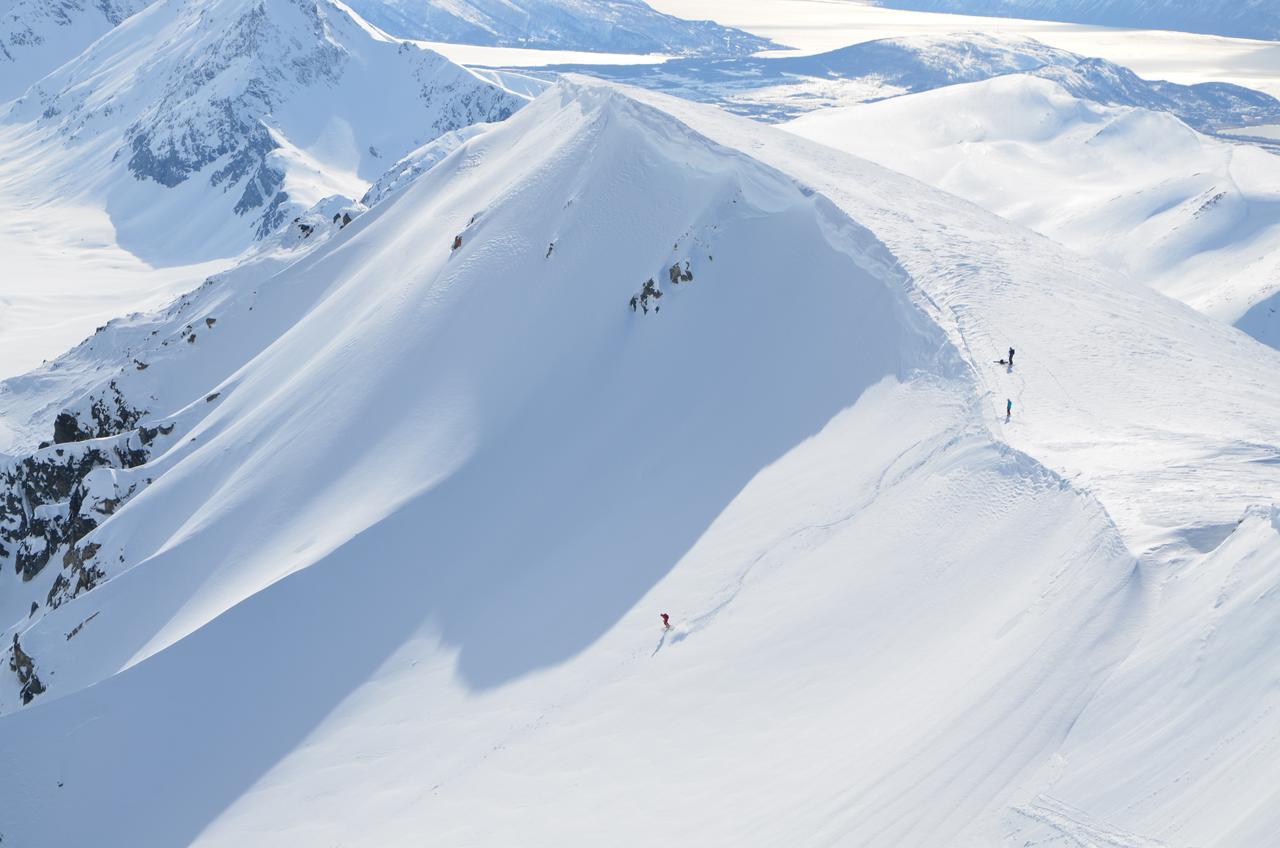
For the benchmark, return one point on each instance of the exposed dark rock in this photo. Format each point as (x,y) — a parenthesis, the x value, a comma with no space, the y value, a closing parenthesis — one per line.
(21,663)
(148,434)
(649,292)
(79,574)
(45,504)
(211,398)
(680,275)
(209,322)
(67,429)
(107,414)
(81,625)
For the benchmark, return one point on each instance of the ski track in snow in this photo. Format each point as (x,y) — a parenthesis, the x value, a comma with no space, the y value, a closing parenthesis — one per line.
(1077,828)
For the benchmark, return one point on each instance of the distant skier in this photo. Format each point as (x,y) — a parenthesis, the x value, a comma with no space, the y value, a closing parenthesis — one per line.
(1008,409)
(457,242)
(666,621)
(1010,357)
(634,301)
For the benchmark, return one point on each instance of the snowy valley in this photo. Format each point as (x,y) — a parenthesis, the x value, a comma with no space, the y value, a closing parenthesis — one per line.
(428,388)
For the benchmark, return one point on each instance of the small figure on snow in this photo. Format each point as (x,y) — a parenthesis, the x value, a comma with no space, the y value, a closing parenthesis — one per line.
(1010,357)
(634,300)
(1008,409)
(457,242)
(666,621)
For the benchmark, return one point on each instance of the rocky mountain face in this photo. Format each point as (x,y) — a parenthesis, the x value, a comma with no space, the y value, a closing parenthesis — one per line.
(264,105)
(37,36)
(618,26)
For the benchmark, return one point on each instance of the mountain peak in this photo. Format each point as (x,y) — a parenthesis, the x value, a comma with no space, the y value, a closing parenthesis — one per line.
(272,104)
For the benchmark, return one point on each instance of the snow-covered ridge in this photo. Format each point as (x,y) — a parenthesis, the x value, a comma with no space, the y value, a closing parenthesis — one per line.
(230,117)
(780,88)
(429,479)
(611,26)
(37,36)
(1241,18)
(1192,216)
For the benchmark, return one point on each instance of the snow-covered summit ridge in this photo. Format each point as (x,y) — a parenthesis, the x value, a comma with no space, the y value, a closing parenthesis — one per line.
(611,26)
(264,105)
(394,488)
(551,251)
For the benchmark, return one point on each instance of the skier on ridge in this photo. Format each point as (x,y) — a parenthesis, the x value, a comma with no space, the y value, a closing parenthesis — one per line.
(666,621)
(1010,357)
(1008,409)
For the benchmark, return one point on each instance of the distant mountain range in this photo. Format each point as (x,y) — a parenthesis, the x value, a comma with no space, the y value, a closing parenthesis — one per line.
(1239,18)
(618,26)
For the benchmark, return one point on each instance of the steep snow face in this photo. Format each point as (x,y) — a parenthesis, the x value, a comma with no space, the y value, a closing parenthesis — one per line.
(200,125)
(612,26)
(779,88)
(391,524)
(1241,18)
(1169,418)
(37,36)
(402,499)
(1194,217)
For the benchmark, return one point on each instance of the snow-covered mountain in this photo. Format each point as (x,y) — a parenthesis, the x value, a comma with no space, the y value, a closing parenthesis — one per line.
(364,542)
(1195,217)
(781,88)
(615,26)
(200,125)
(37,36)
(1241,18)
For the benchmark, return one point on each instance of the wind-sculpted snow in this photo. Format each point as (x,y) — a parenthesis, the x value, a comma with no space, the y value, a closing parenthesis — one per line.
(1195,217)
(430,479)
(1241,18)
(266,105)
(781,88)
(611,26)
(36,36)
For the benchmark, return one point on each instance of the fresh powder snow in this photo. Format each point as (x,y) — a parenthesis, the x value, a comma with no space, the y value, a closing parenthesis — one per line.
(365,419)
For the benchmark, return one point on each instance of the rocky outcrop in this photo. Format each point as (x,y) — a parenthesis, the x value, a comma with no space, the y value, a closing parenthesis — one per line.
(80,573)
(53,498)
(21,664)
(680,275)
(99,415)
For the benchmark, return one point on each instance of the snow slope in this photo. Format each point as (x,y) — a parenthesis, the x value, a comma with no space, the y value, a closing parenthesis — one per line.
(781,87)
(380,536)
(1192,216)
(1240,18)
(199,126)
(618,26)
(37,36)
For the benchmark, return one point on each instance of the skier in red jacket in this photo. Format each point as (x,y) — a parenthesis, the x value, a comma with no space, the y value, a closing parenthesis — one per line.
(666,621)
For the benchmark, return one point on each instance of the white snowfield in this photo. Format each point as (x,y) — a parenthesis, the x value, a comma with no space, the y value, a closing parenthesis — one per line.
(397,576)
(1192,216)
